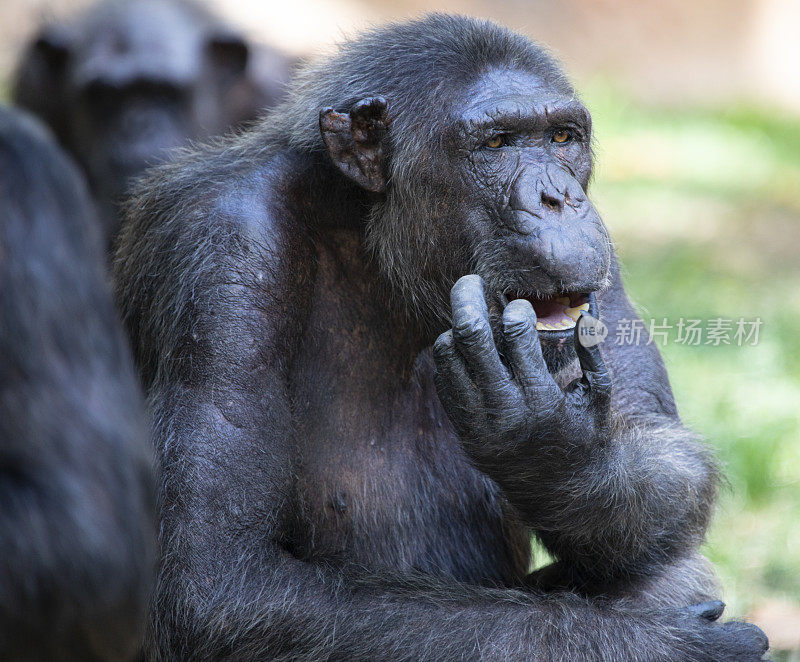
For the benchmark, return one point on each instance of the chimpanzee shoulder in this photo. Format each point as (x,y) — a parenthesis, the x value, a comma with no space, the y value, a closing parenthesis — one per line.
(212,221)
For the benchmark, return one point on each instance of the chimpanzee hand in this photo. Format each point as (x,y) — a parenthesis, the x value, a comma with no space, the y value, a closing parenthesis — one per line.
(513,405)
(703,639)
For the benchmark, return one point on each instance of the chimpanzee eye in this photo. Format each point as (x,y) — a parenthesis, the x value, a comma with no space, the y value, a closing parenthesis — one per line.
(561,136)
(496,141)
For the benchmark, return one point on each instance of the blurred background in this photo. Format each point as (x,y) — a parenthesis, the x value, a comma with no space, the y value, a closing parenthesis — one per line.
(697,122)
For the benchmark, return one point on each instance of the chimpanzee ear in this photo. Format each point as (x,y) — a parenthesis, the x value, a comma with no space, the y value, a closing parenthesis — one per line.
(355,141)
(52,46)
(229,52)
(41,80)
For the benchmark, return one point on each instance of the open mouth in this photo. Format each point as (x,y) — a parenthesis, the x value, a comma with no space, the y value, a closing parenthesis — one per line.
(558,315)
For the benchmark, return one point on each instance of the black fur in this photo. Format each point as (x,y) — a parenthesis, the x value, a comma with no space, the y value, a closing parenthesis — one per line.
(282,290)
(77,536)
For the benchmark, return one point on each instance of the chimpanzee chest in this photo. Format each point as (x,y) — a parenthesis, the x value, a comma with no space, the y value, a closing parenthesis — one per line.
(388,491)
(382,481)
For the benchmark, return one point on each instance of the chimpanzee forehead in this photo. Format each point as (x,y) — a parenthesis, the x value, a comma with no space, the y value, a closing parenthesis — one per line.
(506,96)
(497,83)
(140,39)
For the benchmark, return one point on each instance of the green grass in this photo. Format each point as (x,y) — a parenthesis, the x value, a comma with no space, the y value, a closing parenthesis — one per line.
(705,209)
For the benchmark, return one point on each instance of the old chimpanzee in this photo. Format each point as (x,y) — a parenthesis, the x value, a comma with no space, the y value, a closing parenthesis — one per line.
(77,534)
(282,290)
(128,80)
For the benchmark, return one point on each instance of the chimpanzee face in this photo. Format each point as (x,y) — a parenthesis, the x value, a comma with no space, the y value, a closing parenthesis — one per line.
(494,186)
(119,130)
(128,82)
(522,150)
(144,82)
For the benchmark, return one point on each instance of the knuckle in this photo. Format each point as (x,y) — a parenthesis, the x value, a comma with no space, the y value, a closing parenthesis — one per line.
(528,382)
(472,333)
(443,344)
(518,318)
(516,326)
(470,326)
(601,381)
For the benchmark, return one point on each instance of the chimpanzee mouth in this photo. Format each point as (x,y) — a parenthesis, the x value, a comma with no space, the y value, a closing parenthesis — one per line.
(557,316)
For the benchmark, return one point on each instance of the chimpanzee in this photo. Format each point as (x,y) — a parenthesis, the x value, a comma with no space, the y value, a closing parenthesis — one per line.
(77,492)
(321,501)
(128,80)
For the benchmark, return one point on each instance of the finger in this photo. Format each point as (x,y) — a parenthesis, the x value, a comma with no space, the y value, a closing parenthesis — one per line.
(751,636)
(710,610)
(522,348)
(473,336)
(456,390)
(596,377)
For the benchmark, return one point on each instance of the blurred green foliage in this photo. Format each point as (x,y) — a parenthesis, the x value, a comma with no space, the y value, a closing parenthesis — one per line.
(704,207)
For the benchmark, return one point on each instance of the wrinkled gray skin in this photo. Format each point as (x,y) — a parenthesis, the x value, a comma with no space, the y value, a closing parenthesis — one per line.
(129,80)
(328,493)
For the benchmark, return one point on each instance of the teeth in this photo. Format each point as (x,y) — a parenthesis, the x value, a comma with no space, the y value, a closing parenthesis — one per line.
(558,326)
(575,312)
(564,301)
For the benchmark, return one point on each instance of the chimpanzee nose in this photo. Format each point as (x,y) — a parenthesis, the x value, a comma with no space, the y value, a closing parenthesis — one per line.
(555,227)
(550,195)
(553,200)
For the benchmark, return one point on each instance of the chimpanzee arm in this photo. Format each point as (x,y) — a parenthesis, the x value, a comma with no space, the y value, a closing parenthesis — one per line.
(612,483)
(642,397)
(229,589)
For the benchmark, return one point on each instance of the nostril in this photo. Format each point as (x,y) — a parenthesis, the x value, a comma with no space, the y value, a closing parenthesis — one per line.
(551,202)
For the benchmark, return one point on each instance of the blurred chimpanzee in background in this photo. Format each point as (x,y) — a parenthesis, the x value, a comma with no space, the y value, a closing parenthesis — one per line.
(76,486)
(128,80)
